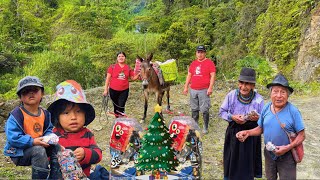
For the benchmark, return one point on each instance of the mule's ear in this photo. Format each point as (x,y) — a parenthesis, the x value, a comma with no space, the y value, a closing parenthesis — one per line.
(150,57)
(139,58)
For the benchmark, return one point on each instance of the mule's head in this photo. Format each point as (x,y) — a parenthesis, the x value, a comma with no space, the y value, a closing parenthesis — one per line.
(146,69)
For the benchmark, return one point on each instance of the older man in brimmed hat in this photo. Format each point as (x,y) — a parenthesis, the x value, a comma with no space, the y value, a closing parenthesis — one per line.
(279,116)
(241,108)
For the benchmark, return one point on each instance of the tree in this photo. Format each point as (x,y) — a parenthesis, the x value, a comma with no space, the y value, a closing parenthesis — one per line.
(156,152)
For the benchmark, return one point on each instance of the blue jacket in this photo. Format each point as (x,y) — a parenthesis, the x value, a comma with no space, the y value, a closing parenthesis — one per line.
(17,139)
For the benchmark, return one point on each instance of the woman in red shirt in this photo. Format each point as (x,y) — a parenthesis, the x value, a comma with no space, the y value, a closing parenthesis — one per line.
(117,83)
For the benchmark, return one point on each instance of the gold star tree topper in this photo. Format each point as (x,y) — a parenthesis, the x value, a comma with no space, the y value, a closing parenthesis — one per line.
(157,108)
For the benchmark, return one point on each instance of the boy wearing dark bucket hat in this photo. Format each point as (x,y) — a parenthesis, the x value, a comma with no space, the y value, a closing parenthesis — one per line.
(71,113)
(278,116)
(25,130)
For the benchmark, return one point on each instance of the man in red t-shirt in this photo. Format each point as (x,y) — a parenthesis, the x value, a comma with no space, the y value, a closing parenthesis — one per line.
(201,77)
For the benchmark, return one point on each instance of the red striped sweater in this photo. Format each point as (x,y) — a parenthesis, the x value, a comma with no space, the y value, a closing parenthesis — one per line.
(85,139)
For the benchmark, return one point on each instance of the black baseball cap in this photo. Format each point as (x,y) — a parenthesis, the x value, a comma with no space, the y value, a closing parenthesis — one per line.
(201,48)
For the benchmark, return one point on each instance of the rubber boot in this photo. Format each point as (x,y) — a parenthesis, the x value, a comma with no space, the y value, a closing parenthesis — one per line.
(205,122)
(195,115)
(39,173)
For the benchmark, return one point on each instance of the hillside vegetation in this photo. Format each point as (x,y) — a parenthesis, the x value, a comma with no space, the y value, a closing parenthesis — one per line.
(77,39)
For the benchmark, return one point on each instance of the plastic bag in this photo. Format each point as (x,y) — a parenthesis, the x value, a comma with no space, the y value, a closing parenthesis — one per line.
(70,167)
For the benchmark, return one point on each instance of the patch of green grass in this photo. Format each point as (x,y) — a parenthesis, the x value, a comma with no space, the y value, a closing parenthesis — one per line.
(10,171)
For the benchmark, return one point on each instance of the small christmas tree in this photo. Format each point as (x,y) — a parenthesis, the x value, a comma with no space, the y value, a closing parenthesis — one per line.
(156,152)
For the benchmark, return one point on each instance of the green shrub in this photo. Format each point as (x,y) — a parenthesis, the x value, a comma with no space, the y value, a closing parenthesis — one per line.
(263,70)
(278,32)
(311,88)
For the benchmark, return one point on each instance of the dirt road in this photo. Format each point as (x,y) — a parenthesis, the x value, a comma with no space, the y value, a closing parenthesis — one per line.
(309,107)
(212,142)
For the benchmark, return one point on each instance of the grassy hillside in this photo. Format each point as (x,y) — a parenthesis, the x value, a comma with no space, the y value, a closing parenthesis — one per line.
(58,40)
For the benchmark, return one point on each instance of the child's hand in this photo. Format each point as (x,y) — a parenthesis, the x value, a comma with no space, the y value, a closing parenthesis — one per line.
(38,142)
(79,153)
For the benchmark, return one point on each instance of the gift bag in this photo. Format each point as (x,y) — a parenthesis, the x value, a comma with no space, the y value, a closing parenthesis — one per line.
(180,131)
(70,167)
(124,146)
(184,131)
(51,139)
(120,136)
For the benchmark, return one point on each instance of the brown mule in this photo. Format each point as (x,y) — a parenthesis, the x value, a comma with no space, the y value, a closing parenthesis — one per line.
(151,83)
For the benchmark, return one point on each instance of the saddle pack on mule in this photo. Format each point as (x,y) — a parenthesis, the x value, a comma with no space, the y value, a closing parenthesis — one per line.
(166,71)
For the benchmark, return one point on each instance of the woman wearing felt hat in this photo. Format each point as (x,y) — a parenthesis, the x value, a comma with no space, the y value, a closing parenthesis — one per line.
(241,108)
(278,117)
(71,113)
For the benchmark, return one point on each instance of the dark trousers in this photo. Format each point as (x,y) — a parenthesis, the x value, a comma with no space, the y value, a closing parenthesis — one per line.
(285,166)
(37,157)
(119,99)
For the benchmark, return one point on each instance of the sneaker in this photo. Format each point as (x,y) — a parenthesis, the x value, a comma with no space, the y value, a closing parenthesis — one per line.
(205,131)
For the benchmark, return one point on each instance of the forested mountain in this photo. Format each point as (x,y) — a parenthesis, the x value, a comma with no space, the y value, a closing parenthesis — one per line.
(77,39)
